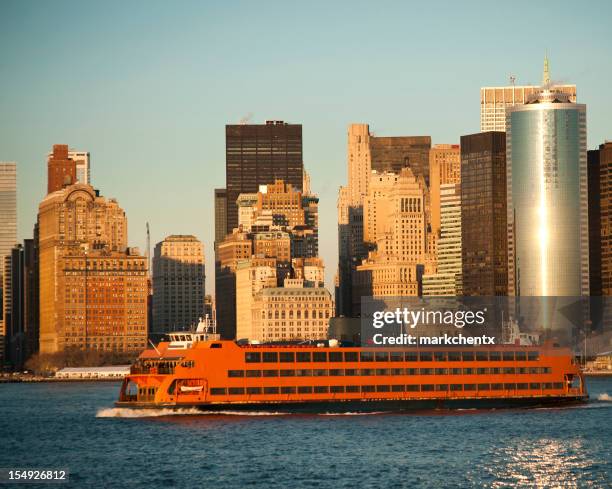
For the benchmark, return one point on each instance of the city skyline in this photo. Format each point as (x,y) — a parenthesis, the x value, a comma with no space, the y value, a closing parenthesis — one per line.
(131,117)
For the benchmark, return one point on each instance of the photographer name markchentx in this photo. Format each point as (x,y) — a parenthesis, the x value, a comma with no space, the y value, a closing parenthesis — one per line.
(411,340)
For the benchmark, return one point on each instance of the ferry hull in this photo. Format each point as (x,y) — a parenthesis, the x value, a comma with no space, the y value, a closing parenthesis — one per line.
(370,406)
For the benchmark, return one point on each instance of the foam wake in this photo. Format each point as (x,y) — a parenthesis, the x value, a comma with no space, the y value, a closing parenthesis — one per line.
(604,396)
(150,413)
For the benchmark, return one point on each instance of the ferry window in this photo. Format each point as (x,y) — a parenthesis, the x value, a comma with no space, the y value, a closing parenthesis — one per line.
(455,371)
(396,356)
(216,345)
(468,371)
(397,388)
(532,356)
(383,388)
(467,356)
(425,356)
(508,370)
(508,356)
(336,389)
(270,357)
(287,390)
(441,387)
(397,371)
(351,372)
(303,373)
(252,357)
(427,388)
(510,387)
(287,357)
(253,390)
(367,371)
(520,355)
(494,356)
(382,356)
(557,385)
(546,370)
(350,356)
(441,371)
(522,386)
(484,387)
(534,385)
(335,356)
(522,370)
(319,356)
(497,387)
(217,391)
(236,391)
(368,388)
(456,387)
(235,373)
(352,388)
(534,370)
(482,356)
(303,356)
(427,371)
(382,371)
(412,388)
(253,373)
(454,356)
(469,387)
(270,390)
(287,373)
(336,372)
(319,372)
(366,356)
(412,371)
(304,389)
(270,373)
(411,356)
(321,389)
(440,356)
(496,370)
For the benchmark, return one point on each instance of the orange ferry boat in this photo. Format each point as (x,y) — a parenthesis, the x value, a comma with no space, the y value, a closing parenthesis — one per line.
(193,370)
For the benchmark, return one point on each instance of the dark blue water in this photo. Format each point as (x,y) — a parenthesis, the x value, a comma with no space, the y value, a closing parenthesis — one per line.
(67,425)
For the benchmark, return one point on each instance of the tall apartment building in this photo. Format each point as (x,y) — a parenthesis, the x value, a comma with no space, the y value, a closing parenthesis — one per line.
(259,154)
(448,279)
(548,195)
(82,164)
(444,168)
(292,312)
(178,283)
(484,214)
(93,289)
(595,230)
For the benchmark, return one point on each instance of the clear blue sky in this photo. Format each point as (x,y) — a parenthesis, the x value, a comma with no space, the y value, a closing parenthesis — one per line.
(148,86)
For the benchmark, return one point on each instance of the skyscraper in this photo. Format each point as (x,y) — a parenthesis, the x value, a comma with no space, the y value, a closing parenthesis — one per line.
(595,230)
(178,283)
(259,154)
(494,101)
(547,195)
(604,159)
(220,215)
(8,211)
(484,247)
(93,289)
(61,168)
(444,168)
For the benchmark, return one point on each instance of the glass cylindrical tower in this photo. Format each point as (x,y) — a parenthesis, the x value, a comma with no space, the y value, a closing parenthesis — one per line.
(547,196)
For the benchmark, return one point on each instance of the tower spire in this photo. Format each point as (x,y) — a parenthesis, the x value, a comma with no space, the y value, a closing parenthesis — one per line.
(546,77)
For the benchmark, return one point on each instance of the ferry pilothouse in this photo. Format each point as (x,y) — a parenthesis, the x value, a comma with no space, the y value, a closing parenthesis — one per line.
(198,369)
